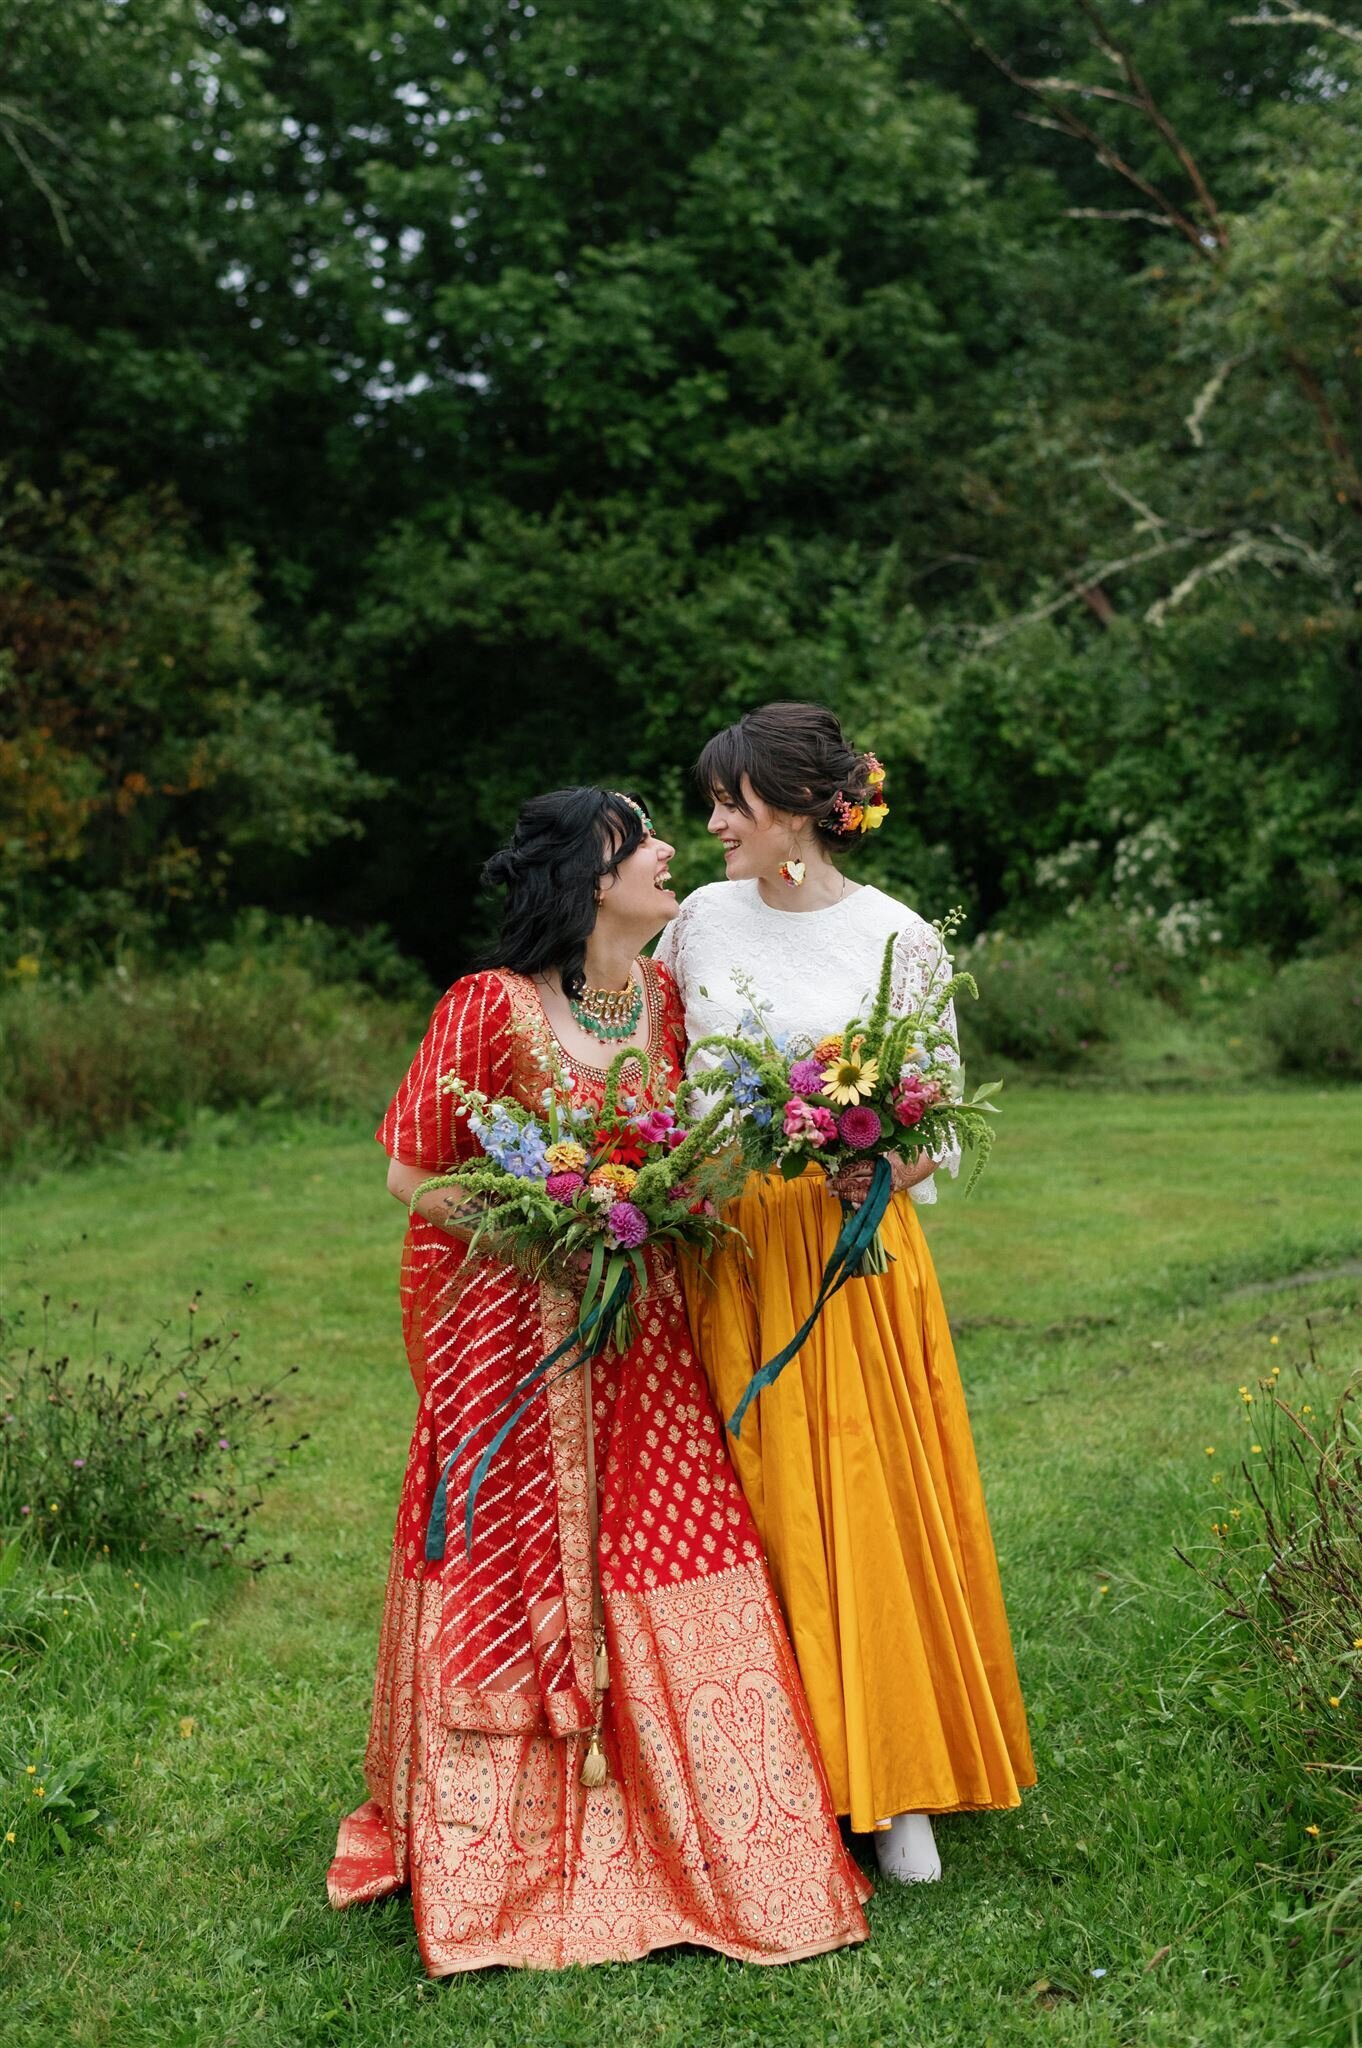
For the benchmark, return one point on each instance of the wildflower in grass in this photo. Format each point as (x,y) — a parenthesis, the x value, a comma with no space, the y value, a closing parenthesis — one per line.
(1312,1829)
(1256,1449)
(1357,1642)
(9,1834)
(78,1463)
(1334,1700)
(40,1791)
(1274,1340)
(1104,1589)
(1210,1450)
(32,1770)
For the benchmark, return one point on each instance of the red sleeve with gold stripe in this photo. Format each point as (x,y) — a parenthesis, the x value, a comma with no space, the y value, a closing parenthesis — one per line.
(469,1035)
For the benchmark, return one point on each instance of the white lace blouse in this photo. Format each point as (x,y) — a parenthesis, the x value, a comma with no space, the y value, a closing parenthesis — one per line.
(816,968)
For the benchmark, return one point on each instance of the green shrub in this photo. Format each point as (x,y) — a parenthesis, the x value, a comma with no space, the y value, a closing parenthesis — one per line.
(1039,1000)
(1311,1017)
(1289,1575)
(144,1052)
(162,1453)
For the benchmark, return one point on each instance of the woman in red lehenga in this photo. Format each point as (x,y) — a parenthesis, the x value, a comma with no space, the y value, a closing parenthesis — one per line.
(610,1518)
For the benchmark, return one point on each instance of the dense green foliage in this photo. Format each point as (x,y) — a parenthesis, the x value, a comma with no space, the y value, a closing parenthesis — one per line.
(487,397)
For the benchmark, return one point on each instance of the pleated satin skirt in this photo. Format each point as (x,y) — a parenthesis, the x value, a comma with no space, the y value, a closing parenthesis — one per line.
(859,1465)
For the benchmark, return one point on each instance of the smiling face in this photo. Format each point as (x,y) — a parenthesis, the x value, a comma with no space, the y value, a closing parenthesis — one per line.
(755,840)
(637,897)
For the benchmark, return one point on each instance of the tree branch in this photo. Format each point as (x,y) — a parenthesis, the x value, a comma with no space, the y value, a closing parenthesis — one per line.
(1296,17)
(1154,113)
(1350,493)
(1065,118)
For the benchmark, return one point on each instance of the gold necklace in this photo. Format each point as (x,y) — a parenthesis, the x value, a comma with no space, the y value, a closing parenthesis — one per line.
(608,1013)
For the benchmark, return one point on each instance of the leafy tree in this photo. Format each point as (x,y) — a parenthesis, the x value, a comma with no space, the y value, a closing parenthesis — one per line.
(144,753)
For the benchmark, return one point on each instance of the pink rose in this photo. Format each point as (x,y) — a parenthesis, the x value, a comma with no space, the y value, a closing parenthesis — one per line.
(564,1187)
(910,1101)
(859,1127)
(824,1125)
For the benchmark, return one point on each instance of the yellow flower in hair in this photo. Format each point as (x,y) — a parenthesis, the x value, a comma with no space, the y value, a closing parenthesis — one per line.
(875,815)
(847,1079)
(566,1156)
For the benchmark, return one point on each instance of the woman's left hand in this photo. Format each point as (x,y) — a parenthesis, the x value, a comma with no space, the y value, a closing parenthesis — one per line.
(852,1184)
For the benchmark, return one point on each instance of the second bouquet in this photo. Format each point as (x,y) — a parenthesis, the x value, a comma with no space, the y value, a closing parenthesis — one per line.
(891,1083)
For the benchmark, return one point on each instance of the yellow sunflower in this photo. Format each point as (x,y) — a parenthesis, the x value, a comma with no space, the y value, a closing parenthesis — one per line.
(566,1156)
(847,1079)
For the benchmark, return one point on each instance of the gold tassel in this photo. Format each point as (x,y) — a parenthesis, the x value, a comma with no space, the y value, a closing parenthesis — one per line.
(594,1772)
(601,1669)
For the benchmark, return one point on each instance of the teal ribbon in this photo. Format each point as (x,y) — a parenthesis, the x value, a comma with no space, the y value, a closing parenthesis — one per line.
(593,1334)
(853,1242)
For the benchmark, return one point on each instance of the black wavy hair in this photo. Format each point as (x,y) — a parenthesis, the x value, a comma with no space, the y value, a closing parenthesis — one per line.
(797,759)
(564,844)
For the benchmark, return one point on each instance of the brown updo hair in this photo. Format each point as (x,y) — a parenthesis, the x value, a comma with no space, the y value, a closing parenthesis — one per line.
(797,759)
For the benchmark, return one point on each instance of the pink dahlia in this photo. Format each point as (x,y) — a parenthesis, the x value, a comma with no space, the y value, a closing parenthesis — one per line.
(628,1225)
(806,1077)
(564,1187)
(858,1127)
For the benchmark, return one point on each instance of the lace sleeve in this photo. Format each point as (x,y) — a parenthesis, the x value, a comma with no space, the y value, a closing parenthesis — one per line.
(920,962)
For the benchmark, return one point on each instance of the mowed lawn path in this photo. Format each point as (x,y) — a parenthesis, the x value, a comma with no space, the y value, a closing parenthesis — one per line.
(1107,1282)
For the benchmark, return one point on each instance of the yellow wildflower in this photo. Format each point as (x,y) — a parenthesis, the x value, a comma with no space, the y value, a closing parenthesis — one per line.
(1210,1450)
(9,1834)
(1256,1449)
(1312,1829)
(567,1156)
(847,1079)
(1357,1642)
(1104,1589)
(619,1179)
(1334,1700)
(1274,1340)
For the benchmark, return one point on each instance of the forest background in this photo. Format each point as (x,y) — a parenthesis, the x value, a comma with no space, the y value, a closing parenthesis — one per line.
(405,407)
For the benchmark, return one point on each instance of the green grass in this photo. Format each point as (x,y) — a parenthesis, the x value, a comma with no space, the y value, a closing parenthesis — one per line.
(1099,1280)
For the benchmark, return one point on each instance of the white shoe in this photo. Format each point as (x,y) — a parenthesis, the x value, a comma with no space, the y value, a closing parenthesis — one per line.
(907,1849)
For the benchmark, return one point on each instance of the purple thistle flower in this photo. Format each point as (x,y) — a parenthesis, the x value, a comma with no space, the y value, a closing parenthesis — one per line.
(78,1462)
(223,1444)
(628,1225)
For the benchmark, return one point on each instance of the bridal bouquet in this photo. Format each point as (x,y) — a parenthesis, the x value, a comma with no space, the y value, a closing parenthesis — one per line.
(580,1193)
(888,1083)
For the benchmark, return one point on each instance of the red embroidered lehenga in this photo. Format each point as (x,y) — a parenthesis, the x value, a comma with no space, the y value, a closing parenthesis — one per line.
(714,1825)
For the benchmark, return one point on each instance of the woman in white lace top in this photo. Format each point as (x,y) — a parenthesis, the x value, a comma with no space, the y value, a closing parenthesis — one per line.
(858,1462)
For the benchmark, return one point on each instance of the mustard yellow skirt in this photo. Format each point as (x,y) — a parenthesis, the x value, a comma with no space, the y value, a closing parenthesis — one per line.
(860,1469)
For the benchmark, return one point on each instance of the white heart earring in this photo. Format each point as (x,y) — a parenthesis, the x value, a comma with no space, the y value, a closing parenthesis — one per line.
(792,871)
